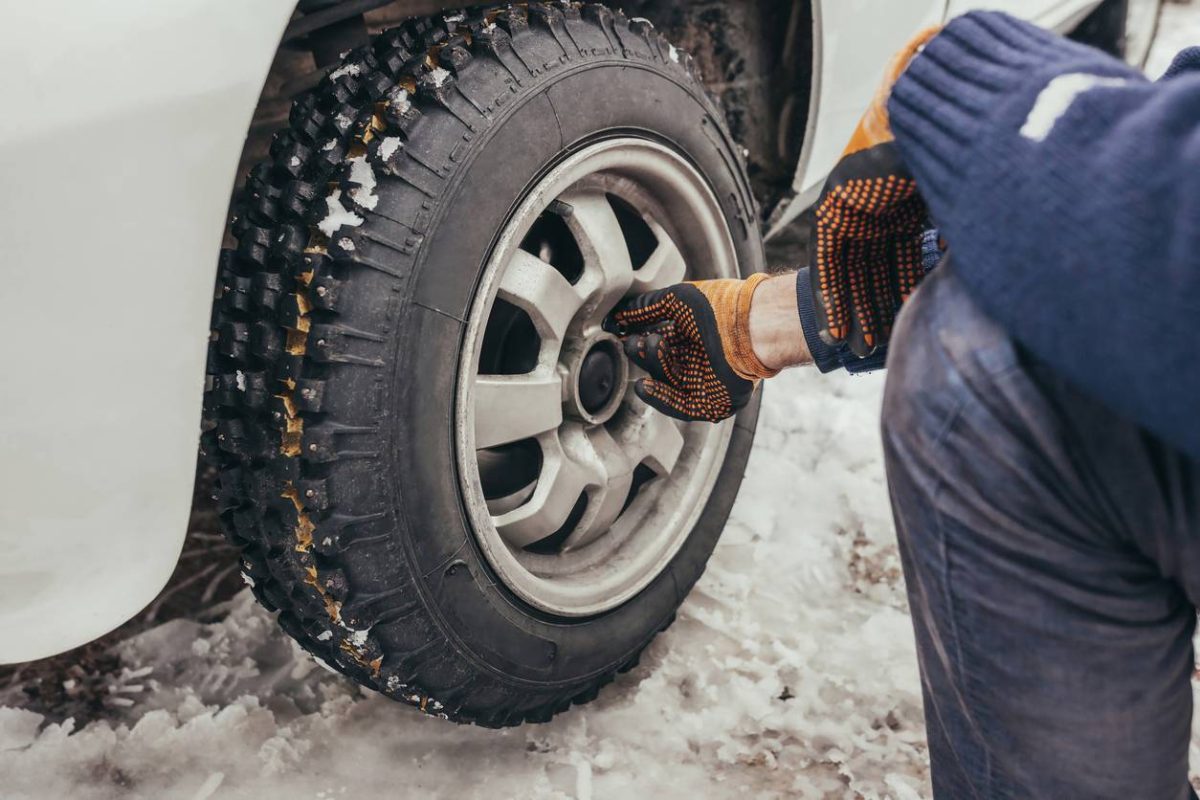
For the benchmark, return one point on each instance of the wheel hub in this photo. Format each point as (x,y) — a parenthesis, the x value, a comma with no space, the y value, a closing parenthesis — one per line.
(597,378)
(597,372)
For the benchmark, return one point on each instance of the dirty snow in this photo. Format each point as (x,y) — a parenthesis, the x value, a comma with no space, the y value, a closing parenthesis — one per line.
(347,69)
(401,100)
(789,673)
(362,174)
(388,147)
(338,215)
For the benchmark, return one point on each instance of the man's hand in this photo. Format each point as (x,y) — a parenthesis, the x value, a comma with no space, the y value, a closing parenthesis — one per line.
(707,344)
(868,230)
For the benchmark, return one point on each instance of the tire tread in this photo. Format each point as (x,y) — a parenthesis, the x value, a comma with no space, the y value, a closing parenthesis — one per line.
(283,332)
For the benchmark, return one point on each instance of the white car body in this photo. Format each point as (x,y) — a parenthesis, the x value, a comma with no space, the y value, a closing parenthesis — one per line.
(849,55)
(122,128)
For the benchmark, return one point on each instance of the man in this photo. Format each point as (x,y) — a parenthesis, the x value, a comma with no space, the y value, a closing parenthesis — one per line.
(1042,413)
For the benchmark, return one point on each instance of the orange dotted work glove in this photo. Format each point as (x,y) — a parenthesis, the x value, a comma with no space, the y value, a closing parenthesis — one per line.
(869,222)
(694,341)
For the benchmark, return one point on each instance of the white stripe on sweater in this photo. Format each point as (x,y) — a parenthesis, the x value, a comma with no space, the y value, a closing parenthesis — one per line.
(1056,99)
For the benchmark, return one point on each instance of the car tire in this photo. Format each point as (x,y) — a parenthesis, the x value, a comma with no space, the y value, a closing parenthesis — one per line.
(1123,28)
(335,356)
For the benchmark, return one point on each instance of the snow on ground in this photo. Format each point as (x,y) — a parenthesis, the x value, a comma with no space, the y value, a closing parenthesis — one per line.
(789,673)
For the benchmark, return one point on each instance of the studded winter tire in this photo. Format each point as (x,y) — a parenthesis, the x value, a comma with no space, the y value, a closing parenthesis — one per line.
(429,454)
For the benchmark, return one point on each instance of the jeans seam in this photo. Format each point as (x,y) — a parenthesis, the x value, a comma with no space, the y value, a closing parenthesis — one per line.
(935,494)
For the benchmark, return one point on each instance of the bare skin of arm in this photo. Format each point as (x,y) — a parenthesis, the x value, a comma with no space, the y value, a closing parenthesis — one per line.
(775,332)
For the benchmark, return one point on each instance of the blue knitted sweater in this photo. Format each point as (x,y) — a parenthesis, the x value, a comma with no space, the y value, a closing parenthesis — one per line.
(1067,185)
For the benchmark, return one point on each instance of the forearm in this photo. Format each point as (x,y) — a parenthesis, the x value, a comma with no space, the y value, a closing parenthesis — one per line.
(784,330)
(775,332)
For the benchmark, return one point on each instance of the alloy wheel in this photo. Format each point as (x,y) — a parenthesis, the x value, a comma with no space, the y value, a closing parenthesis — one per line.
(579,493)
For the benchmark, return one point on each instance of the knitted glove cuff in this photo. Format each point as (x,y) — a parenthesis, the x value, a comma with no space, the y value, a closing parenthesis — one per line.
(739,350)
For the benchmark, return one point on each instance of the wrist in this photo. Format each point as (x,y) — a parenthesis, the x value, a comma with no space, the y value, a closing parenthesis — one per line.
(738,344)
(773,324)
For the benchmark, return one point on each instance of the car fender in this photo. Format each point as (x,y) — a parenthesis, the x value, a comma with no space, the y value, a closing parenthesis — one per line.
(852,42)
(120,134)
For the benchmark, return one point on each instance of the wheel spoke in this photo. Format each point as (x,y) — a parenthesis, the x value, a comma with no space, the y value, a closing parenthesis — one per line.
(574,461)
(652,438)
(543,293)
(608,271)
(509,408)
(560,484)
(664,267)
(612,473)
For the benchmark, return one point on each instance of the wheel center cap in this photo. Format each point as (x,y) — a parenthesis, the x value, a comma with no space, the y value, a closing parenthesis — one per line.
(597,373)
(597,378)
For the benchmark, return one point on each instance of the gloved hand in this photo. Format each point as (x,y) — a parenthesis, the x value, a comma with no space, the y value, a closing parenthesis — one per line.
(869,222)
(694,341)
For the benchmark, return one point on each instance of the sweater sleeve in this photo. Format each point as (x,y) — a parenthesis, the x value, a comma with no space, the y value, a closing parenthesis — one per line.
(1068,188)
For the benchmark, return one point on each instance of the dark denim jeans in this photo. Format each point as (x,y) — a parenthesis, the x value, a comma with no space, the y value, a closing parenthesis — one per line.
(1052,557)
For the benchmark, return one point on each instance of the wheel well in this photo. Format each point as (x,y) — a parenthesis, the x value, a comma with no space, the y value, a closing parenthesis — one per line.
(1104,28)
(756,58)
